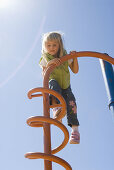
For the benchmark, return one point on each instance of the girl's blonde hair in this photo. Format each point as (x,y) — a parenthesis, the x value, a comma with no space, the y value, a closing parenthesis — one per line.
(53,36)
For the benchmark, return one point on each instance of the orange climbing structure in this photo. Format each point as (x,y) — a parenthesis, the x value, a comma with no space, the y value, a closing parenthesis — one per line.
(45,120)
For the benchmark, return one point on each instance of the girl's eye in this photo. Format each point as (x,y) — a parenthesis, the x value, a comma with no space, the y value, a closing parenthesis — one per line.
(54,45)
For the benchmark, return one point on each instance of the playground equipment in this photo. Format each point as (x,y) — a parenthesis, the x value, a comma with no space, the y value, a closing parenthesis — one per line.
(45,120)
(108,75)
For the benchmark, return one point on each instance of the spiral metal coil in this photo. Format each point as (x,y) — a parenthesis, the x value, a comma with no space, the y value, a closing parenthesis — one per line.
(45,120)
(38,121)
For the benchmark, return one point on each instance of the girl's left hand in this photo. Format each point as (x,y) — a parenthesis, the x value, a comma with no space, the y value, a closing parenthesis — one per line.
(71,60)
(72,52)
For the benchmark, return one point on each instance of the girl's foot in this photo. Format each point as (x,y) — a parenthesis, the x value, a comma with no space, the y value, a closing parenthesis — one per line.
(56,112)
(74,138)
(75,135)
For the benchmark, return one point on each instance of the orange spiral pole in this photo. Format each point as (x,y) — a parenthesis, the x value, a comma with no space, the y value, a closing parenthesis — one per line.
(45,120)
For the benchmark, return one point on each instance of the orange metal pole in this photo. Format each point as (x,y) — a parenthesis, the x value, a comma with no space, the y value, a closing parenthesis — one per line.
(89,54)
(46,127)
(47,140)
(47,134)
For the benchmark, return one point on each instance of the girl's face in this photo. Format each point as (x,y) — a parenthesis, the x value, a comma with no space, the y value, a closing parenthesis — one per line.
(52,47)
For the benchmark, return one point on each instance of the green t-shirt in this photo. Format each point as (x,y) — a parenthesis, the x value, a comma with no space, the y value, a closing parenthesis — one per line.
(61,73)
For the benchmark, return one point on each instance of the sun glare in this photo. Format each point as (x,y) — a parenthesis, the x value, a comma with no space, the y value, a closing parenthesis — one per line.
(4,3)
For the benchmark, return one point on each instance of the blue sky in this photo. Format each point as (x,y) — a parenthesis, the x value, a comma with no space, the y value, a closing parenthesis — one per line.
(87,26)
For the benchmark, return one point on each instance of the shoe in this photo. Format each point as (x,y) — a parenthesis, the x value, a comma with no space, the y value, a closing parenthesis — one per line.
(56,112)
(74,138)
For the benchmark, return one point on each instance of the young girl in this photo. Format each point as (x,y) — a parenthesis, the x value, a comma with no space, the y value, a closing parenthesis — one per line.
(53,49)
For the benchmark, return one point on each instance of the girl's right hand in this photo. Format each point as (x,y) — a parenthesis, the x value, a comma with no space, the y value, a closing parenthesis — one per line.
(55,61)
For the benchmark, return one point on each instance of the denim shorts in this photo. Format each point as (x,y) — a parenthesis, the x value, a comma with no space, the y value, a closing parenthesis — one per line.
(70,102)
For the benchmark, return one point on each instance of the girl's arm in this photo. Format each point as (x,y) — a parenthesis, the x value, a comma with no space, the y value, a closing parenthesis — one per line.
(74,64)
